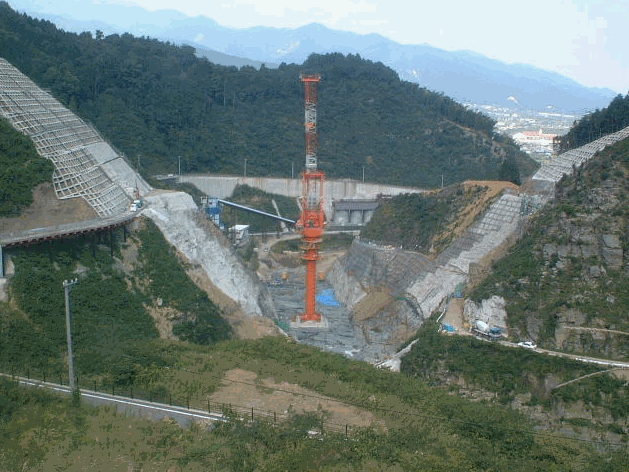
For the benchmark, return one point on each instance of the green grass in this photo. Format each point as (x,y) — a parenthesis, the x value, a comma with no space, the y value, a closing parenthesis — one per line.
(427,429)
(503,370)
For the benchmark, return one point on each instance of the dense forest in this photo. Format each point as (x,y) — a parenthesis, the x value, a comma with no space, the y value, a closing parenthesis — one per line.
(594,125)
(157,102)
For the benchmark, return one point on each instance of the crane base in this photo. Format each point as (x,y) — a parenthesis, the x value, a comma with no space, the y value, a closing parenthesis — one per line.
(296,323)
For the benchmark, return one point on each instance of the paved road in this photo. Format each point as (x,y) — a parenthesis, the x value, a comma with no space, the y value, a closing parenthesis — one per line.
(589,360)
(52,232)
(130,406)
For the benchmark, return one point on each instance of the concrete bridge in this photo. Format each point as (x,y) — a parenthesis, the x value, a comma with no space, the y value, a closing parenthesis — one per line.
(38,235)
(222,186)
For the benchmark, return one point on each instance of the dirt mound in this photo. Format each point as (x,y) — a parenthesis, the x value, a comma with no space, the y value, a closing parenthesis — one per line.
(242,387)
(48,210)
(467,216)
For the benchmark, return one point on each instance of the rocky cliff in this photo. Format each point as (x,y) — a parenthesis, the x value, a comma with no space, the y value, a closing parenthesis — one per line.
(565,282)
(177,216)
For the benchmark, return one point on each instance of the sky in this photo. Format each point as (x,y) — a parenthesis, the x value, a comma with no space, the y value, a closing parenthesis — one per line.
(584,40)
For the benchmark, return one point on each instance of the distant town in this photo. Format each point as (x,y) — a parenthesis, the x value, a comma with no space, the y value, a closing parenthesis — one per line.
(533,130)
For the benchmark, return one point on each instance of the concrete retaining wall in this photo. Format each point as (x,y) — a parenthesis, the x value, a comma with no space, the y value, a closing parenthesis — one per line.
(222,186)
(411,275)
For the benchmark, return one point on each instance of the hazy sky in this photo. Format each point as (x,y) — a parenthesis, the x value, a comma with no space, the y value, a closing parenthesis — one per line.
(585,40)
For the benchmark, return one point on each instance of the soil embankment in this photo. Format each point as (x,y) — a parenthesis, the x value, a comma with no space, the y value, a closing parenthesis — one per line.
(48,210)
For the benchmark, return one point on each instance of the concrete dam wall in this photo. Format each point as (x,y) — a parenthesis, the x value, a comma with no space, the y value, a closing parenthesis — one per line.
(222,186)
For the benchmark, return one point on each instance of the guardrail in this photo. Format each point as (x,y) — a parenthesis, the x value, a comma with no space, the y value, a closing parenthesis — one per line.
(180,400)
(52,232)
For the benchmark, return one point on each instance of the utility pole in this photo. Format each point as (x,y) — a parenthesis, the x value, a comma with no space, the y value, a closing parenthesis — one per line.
(363,173)
(245,168)
(66,286)
(179,169)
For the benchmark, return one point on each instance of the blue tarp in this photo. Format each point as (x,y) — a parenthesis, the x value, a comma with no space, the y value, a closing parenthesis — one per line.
(449,328)
(326,297)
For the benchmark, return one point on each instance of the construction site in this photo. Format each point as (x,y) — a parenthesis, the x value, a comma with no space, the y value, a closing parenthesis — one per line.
(364,303)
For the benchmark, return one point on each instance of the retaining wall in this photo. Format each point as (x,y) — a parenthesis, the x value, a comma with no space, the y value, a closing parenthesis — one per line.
(222,186)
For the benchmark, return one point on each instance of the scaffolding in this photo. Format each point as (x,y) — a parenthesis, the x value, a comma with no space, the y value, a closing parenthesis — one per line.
(62,137)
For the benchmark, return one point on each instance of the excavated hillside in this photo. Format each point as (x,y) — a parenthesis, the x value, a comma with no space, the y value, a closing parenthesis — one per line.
(565,282)
(391,290)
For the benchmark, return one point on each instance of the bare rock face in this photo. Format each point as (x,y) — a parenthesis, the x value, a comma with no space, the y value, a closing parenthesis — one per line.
(3,291)
(491,311)
(175,213)
(347,287)
(611,250)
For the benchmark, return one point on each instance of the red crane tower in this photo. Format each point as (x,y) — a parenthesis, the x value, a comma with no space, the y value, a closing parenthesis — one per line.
(312,220)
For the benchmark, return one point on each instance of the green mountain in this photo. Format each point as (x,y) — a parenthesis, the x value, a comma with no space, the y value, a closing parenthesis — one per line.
(156,101)
(610,119)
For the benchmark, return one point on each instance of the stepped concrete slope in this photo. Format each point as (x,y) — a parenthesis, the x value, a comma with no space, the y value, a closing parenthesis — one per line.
(85,165)
(565,163)
(178,218)
(411,275)
(502,220)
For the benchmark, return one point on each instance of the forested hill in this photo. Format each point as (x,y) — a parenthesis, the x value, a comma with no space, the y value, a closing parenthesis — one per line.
(159,101)
(610,119)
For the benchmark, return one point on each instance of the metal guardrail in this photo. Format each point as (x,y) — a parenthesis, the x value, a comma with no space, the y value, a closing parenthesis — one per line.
(51,232)
(225,410)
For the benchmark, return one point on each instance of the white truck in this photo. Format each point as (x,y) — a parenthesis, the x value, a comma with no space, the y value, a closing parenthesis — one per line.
(480,328)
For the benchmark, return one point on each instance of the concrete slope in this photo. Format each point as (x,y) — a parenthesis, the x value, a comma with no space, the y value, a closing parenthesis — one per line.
(565,163)
(85,165)
(414,277)
(177,216)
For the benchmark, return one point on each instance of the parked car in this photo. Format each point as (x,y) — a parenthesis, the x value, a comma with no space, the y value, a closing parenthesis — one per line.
(527,344)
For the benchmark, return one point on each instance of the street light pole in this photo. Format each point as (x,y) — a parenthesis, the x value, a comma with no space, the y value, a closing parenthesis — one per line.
(179,168)
(245,168)
(66,286)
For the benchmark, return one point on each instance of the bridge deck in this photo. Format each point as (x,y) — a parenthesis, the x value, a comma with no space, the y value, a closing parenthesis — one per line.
(29,236)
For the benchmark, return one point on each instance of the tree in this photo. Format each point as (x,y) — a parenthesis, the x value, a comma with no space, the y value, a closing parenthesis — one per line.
(509,171)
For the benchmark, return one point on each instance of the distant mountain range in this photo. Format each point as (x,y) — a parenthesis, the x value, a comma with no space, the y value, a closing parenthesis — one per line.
(462,75)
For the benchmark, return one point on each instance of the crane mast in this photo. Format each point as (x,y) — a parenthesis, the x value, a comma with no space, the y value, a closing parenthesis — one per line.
(312,220)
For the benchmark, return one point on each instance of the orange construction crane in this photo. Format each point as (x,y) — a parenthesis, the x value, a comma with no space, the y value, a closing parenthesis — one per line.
(312,220)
